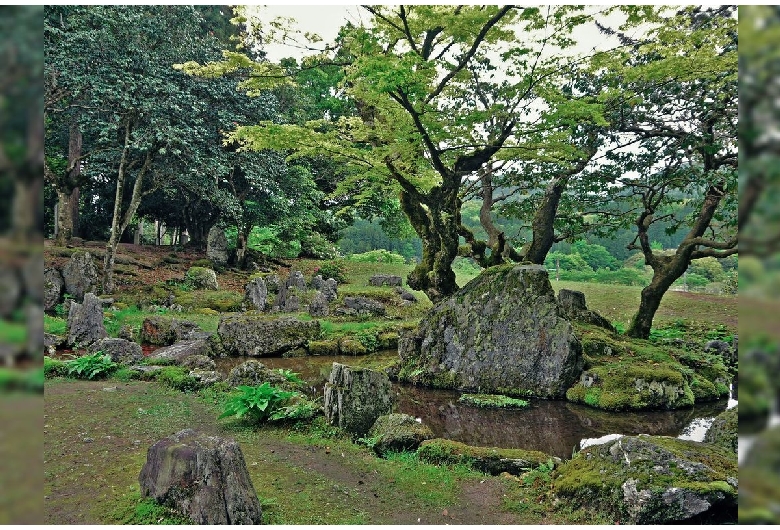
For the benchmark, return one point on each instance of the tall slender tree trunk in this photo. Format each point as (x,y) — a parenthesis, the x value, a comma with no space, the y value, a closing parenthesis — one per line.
(68,192)
(119,222)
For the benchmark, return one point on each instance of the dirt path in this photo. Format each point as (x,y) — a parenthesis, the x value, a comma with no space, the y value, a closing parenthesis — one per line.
(96,435)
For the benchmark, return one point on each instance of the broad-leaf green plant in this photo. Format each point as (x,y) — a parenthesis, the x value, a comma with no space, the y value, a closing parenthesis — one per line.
(257,403)
(91,366)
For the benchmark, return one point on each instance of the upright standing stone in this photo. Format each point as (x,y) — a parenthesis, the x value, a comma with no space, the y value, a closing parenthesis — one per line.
(501,333)
(53,285)
(217,246)
(10,292)
(330,289)
(319,306)
(256,293)
(202,477)
(356,397)
(80,275)
(85,321)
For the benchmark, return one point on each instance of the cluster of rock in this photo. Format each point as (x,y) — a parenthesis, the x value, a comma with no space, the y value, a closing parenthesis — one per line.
(290,294)
(654,480)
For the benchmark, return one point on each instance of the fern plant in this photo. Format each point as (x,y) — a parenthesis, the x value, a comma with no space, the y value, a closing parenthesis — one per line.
(91,366)
(291,376)
(258,403)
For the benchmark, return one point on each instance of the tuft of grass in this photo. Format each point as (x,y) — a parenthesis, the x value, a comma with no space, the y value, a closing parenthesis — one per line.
(485,401)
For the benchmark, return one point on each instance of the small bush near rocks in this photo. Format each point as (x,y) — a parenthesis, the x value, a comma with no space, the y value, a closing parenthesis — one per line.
(332,269)
(487,401)
(177,378)
(54,367)
(92,366)
(260,403)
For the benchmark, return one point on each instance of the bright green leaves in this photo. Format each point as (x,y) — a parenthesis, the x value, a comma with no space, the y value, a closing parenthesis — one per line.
(91,366)
(260,76)
(257,403)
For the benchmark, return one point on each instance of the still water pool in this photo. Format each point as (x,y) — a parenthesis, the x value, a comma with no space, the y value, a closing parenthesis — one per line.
(554,427)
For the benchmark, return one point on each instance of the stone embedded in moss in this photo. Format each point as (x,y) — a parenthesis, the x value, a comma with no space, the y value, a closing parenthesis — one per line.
(352,347)
(202,278)
(491,460)
(653,480)
(257,336)
(323,347)
(724,430)
(502,330)
(398,432)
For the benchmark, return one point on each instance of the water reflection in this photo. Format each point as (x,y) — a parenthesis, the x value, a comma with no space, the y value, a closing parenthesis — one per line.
(554,427)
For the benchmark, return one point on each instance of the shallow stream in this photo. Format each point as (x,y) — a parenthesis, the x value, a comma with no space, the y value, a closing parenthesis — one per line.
(555,427)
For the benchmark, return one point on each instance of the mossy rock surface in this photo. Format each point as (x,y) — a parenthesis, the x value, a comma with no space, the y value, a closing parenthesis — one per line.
(724,430)
(398,432)
(653,480)
(258,336)
(323,347)
(352,347)
(503,330)
(491,460)
(202,278)
(622,373)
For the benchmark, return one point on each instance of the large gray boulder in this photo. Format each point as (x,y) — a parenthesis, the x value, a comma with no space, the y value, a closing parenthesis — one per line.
(360,305)
(502,333)
(53,285)
(398,432)
(164,331)
(256,294)
(217,246)
(255,336)
(319,306)
(255,373)
(356,397)
(202,477)
(85,321)
(80,275)
(654,480)
(180,351)
(121,351)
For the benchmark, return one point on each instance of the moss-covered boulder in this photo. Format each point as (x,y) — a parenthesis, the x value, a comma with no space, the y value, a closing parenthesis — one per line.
(398,432)
(323,347)
(202,278)
(759,474)
(491,460)
(653,480)
(356,397)
(121,351)
(258,336)
(622,373)
(724,430)
(502,333)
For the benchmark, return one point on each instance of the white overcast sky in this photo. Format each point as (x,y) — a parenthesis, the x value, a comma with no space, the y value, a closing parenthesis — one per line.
(325,20)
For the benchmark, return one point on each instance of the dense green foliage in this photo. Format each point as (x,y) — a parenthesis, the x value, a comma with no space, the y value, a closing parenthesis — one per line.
(91,366)
(258,403)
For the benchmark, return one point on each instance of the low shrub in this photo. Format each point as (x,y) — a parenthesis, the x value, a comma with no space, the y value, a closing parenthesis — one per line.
(177,378)
(493,401)
(94,366)
(377,256)
(54,367)
(258,403)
